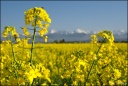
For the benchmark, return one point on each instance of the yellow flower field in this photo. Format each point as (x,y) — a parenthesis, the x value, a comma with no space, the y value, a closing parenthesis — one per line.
(64,64)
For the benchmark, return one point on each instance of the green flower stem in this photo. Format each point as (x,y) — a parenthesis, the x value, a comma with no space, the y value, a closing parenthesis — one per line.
(93,63)
(33,40)
(12,49)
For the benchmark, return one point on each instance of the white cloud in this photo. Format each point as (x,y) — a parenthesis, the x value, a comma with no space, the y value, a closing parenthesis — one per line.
(80,31)
(53,31)
(119,32)
(122,31)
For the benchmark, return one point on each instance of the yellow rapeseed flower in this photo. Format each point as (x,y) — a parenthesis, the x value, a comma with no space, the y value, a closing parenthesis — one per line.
(36,12)
(25,31)
(43,31)
(39,23)
(117,74)
(5,34)
(45,38)
(106,34)
(94,39)
(111,82)
(2,66)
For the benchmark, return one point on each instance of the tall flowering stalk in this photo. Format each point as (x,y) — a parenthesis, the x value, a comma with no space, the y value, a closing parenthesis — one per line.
(12,49)
(108,37)
(38,18)
(35,17)
(11,31)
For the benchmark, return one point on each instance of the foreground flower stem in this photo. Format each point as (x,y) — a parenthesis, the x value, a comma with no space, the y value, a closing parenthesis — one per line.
(93,63)
(33,40)
(12,49)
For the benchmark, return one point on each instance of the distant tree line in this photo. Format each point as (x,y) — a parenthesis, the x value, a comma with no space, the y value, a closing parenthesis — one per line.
(60,41)
(63,41)
(117,41)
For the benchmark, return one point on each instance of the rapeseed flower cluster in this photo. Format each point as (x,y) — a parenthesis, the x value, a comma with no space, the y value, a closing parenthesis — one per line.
(10,30)
(25,31)
(45,38)
(117,74)
(38,16)
(22,42)
(94,39)
(106,34)
(38,12)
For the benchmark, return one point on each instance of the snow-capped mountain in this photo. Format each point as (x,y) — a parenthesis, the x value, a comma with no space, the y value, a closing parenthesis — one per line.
(77,35)
(84,35)
(80,31)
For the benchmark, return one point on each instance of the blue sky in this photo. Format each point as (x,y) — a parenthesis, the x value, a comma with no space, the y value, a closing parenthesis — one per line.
(69,15)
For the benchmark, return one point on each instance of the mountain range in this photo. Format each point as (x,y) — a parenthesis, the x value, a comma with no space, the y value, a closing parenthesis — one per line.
(77,35)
